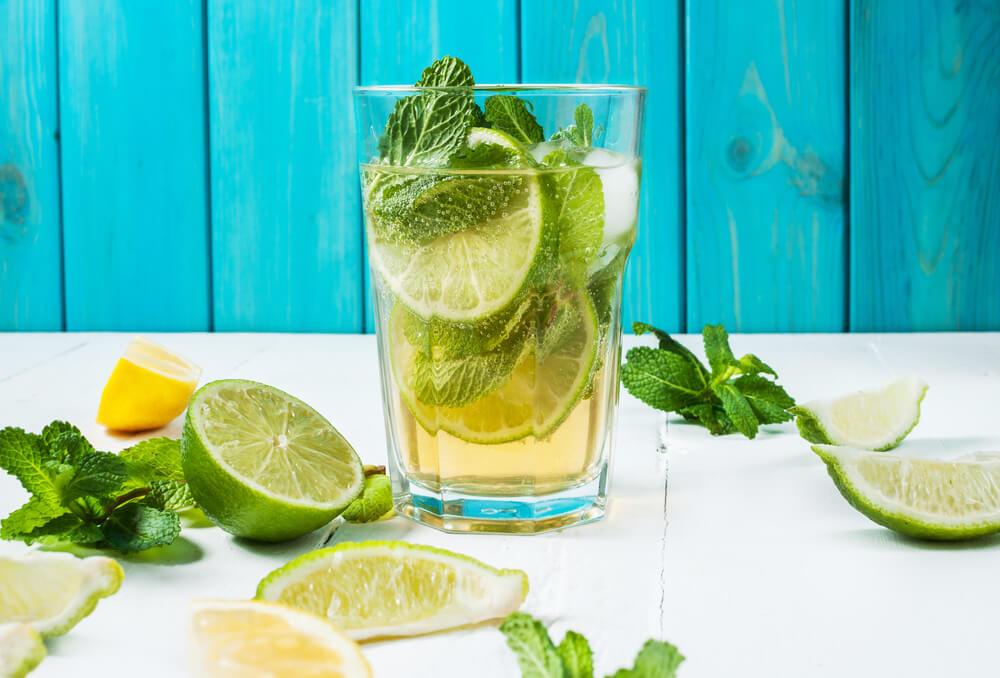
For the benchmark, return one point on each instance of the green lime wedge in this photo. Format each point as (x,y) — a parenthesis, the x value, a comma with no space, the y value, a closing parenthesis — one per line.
(536,398)
(874,419)
(21,650)
(376,589)
(264,465)
(941,500)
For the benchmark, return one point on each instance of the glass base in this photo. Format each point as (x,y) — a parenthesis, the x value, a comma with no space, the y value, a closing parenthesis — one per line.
(458,512)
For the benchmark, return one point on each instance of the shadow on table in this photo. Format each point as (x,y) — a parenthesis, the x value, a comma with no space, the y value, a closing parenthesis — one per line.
(180,552)
(881,537)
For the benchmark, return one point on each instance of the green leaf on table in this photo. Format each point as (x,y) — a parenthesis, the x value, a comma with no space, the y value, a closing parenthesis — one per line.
(374,503)
(720,356)
(24,456)
(751,364)
(577,202)
(170,495)
(513,115)
(536,655)
(33,515)
(98,474)
(769,401)
(136,527)
(668,343)
(576,655)
(710,415)
(737,408)
(661,379)
(67,528)
(656,659)
(154,459)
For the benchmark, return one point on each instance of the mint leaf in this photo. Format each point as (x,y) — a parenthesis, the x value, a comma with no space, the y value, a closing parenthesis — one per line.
(710,415)
(487,156)
(720,356)
(661,379)
(577,200)
(582,133)
(67,528)
(668,343)
(770,402)
(97,474)
(154,459)
(136,527)
(737,408)
(375,501)
(23,455)
(751,364)
(29,517)
(170,495)
(656,659)
(513,115)
(536,655)
(67,447)
(576,655)
(603,285)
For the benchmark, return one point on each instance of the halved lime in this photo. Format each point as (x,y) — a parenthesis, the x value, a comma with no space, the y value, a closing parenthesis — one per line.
(534,401)
(264,465)
(21,650)
(944,500)
(391,588)
(874,419)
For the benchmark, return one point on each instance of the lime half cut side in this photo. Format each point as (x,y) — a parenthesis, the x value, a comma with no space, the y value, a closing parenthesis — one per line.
(873,419)
(263,464)
(377,589)
(941,500)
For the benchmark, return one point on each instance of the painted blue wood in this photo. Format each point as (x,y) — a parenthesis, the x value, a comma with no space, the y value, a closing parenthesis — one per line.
(628,42)
(399,38)
(766,124)
(925,165)
(286,233)
(30,257)
(133,165)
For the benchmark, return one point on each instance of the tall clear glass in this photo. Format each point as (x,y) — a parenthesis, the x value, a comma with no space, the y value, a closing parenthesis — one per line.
(497,235)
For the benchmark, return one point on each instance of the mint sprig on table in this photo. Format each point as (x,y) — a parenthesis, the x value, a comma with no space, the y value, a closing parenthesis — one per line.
(734,395)
(538,657)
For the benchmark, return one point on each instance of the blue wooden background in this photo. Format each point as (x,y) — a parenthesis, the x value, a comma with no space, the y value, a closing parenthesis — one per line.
(822,165)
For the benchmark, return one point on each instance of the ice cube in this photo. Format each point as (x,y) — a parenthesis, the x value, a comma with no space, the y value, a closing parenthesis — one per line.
(539,151)
(620,181)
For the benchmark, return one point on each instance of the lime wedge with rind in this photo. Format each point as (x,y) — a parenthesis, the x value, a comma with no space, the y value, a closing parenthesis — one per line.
(21,650)
(379,589)
(52,592)
(937,500)
(263,464)
(873,419)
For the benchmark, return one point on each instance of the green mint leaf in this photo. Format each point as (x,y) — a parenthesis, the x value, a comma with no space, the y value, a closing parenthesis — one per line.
(170,495)
(23,455)
(154,459)
(67,528)
(751,364)
(136,527)
(97,474)
(769,401)
(711,416)
(668,343)
(603,286)
(57,428)
(513,115)
(576,655)
(487,156)
(29,517)
(661,379)
(656,659)
(720,356)
(67,447)
(375,501)
(580,134)
(536,655)
(738,409)
(577,201)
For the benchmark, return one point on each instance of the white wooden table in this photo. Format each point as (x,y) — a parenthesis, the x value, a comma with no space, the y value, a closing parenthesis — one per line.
(750,561)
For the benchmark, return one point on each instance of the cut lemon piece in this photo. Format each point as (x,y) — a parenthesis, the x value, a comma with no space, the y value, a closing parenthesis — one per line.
(21,650)
(251,639)
(945,500)
(264,465)
(52,592)
(874,419)
(391,588)
(148,388)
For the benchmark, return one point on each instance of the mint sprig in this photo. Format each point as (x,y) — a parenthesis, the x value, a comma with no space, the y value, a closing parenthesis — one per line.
(538,657)
(734,395)
(127,502)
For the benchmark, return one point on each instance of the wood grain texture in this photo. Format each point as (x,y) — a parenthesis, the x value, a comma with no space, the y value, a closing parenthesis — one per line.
(285,199)
(399,38)
(628,42)
(133,165)
(766,122)
(30,239)
(925,165)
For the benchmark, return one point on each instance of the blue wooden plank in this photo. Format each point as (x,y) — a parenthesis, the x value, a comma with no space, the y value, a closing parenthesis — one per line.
(133,165)
(30,259)
(628,42)
(286,211)
(399,38)
(766,126)
(925,165)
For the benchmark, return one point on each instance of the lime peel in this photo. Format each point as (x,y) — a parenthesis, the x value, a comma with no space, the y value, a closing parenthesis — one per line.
(21,650)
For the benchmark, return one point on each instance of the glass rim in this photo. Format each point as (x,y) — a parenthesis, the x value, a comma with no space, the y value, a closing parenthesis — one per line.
(528,87)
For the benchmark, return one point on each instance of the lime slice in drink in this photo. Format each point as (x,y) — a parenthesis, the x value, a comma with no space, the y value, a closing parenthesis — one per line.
(52,592)
(21,650)
(874,419)
(536,398)
(264,465)
(944,500)
(469,274)
(390,588)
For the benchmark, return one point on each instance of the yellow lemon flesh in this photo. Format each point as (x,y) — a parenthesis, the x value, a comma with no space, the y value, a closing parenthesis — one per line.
(253,639)
(149,387)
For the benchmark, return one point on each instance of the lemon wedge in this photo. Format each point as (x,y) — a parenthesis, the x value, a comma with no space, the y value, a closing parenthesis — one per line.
(251,639)
(21,650)
(149,387)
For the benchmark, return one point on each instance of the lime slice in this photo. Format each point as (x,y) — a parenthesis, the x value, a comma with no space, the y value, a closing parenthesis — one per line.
(21,650)
(534,401)
(264,465)
(874,419)
(52,592)
(252,638)
(944,500)
(374,589)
